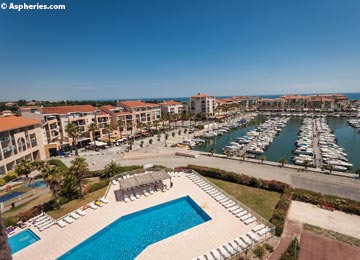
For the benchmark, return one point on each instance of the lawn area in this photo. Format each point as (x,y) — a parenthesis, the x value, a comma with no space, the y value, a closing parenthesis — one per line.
(261,201)
(75,204)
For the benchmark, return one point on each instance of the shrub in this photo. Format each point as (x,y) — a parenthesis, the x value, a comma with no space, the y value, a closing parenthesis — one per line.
(2,182)
(97,186)
(269,247)
(58,163)
(10,221)
(281,209)
(10,176)
(259,251)
(292,252)
(28,214)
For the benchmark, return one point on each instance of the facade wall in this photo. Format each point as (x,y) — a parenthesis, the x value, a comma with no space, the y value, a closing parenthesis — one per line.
(16,144)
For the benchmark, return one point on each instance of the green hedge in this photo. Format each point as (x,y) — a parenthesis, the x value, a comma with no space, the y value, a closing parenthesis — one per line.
(58,163)
(280,212)
(97,186)
(240,178)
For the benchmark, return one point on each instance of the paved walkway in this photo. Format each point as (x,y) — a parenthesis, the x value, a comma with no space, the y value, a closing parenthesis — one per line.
(291,230)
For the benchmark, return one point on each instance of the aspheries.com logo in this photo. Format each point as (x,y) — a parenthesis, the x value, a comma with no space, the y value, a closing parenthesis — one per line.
(24,6)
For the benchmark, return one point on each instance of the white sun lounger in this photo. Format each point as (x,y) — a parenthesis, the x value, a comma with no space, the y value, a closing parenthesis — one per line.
(231,250)
(246,240)
(61,223)
(74,216)
(253,236)
(216,254)
(93,206)
(209,256)
(151,191)
(237,211)
(114,182)
(201,257)
(233,208)
(68,220)
(232,204)
(126,198)
(146,193)
(132,197)
(137,195)
(264,231)
(249,220)
(235,246)
(258,227)
(47,225)
(241,243)
(81,212)
(245,217)
(103,200)
(223,252)
(242,213)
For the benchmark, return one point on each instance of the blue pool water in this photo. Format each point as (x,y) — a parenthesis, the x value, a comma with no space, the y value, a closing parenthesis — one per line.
(36,184)
(10,195)
(22,240)
(128,236)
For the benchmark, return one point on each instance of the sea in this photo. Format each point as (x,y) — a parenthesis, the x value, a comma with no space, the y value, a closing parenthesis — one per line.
(351,96)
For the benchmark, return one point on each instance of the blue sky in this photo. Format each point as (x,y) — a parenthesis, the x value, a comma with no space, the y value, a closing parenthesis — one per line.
(161,48)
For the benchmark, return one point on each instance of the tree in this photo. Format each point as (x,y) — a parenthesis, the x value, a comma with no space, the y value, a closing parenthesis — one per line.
(185,131)
(173,134)
(141,143)
(159,136)
(93,128)
(111,169)
(330,167)
(358,171)
(108,130)
(262,158)
(23,168)
(212,151)
(307,163)
(150,141)
(79,167)
(259,251)
(166,137)
(156,123)
(5,251)
(73,131)
(283,161)
(243,156)
(227,153)
(69,186)
(120,125)
(53,178)
(179,132)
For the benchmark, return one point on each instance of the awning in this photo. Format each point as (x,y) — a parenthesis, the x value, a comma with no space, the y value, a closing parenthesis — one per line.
(143,179)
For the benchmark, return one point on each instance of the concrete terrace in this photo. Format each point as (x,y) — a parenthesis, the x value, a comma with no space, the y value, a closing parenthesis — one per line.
(191,243)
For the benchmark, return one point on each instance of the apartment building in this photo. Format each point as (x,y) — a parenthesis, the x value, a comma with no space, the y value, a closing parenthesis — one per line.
(20,138)
(271,104)
(173,107)
(202,104)
(140,111)
(55,119)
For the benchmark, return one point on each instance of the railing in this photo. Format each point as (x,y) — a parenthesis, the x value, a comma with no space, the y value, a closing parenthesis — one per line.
(259,218)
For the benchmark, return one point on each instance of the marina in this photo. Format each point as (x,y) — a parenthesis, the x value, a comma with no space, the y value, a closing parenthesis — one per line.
(327,143)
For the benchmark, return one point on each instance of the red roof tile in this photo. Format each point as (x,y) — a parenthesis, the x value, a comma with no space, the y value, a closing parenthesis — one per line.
(12,122)
(137,103)
(68,109)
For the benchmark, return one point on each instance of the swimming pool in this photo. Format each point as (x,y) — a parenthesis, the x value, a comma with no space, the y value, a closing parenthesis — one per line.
(36,184)
(10,195)
(22,240)
(129,235)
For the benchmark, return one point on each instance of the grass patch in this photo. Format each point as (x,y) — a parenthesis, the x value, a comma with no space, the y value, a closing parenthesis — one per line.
(261,201)
(75,204)
(333,235)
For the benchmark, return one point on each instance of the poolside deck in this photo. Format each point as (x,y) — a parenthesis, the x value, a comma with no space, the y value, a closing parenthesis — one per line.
(191,243)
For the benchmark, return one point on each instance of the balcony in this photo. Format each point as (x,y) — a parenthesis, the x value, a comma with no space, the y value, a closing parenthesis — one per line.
(6,139)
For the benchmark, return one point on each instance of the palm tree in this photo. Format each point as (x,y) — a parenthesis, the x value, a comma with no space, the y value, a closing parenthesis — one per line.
(243,156)
(179,132)
(283,161)
(358,172)
(111,169)
(227,153)
(79,167)
(150,141)
(53,177)
(173,134)
(73,131)
(5,251)
(156,124)
(120,125)
(108,130)
(307,163)
(212,151)
(166,137)
(93,128)
(23,168)
(330,167)
(262,158)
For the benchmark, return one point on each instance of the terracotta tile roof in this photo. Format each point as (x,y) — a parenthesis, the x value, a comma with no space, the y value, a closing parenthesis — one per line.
(137,103)
(68,109)
(108,107)
(12,122)
(170,102)
(123,113)
(199,95)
